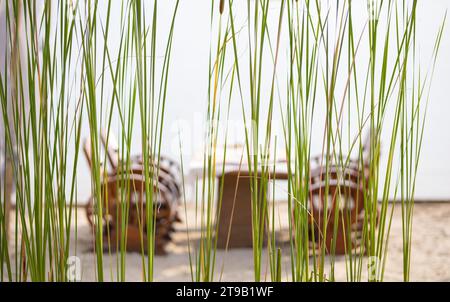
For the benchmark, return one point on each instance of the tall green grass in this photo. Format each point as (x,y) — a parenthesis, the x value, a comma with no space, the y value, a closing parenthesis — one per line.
(320,65)
(139,82)
(68,71)
(208,202)
(325,63)
(53,89)
(257,137)
(42,121)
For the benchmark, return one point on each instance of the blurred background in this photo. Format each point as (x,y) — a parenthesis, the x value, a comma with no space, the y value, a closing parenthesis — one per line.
(187,92)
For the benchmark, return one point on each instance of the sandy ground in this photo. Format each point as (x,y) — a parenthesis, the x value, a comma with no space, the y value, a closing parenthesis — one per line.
(430,258)
(430,246)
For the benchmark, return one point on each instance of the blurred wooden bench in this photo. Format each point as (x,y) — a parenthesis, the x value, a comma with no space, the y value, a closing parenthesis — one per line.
(342,185)
(123,189)
(235,222)
(235,211)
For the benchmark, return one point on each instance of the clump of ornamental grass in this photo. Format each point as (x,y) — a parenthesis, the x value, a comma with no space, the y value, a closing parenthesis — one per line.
(49,90)
(42,120)
(67,69)
(208,202)
(320,64)
(258,122)
(325,51)
(139,91)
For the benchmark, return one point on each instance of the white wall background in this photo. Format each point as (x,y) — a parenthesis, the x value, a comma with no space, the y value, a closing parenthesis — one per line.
(187,98)
(188,90)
